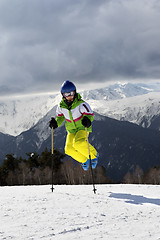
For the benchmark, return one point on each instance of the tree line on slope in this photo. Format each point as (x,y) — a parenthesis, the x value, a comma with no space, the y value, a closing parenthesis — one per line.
(36,170)
(152,176)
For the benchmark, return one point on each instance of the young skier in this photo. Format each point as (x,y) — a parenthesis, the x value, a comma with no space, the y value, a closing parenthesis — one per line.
(78,116)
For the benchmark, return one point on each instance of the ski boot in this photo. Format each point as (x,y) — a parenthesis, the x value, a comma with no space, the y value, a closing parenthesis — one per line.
(95,161)
(85,165)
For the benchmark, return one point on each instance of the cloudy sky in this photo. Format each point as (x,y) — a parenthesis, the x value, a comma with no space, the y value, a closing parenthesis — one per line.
(44,42)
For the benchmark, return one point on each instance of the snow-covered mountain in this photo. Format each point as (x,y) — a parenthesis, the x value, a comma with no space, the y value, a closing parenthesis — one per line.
(123,101)
(136,103)
(142,110)
(21,113)
(122,144)
(117,91)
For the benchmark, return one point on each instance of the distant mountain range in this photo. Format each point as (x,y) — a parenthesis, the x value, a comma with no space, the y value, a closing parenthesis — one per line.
(143,110)
(121,144)
(116,101)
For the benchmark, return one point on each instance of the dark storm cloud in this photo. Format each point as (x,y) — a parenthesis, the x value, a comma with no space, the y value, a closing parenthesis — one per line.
(43,43)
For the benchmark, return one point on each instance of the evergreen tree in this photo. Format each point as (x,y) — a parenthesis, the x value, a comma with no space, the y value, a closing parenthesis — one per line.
(33,160)
(10,163)
(45,158)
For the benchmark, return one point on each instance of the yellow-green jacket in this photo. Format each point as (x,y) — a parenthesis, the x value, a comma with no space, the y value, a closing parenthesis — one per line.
(73,114)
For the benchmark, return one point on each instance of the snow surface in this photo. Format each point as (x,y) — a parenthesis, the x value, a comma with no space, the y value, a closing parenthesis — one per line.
(74,212)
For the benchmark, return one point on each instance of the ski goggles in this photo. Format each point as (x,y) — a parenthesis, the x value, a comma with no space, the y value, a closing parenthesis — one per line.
(69,94)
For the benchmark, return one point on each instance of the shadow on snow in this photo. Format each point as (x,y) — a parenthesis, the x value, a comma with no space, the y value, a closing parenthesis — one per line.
(135,199)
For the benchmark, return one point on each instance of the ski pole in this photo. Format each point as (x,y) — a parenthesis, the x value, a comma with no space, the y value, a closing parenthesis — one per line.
(94,189)
(52,160)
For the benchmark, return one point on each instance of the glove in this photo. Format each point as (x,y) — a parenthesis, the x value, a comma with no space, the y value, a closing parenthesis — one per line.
(53,123)
(86,122)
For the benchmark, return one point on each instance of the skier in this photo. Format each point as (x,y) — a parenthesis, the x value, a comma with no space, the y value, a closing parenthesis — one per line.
(78,116)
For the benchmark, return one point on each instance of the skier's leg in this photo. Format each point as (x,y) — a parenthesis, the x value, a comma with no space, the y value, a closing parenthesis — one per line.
(80,144)
(71,151)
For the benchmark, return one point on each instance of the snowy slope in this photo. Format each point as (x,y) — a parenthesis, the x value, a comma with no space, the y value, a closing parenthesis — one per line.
(21,113)
(138,109)
(128,212)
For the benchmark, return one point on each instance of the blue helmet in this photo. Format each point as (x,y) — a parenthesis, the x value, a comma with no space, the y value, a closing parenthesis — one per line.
(67,86)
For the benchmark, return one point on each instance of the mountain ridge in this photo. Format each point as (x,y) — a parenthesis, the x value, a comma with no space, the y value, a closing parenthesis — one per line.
(27,111)
(122,145)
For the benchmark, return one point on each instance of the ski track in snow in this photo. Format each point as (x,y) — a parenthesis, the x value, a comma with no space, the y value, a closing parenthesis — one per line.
(74,212)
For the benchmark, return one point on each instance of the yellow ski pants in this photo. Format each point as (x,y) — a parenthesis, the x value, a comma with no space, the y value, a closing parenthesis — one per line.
(76,146)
